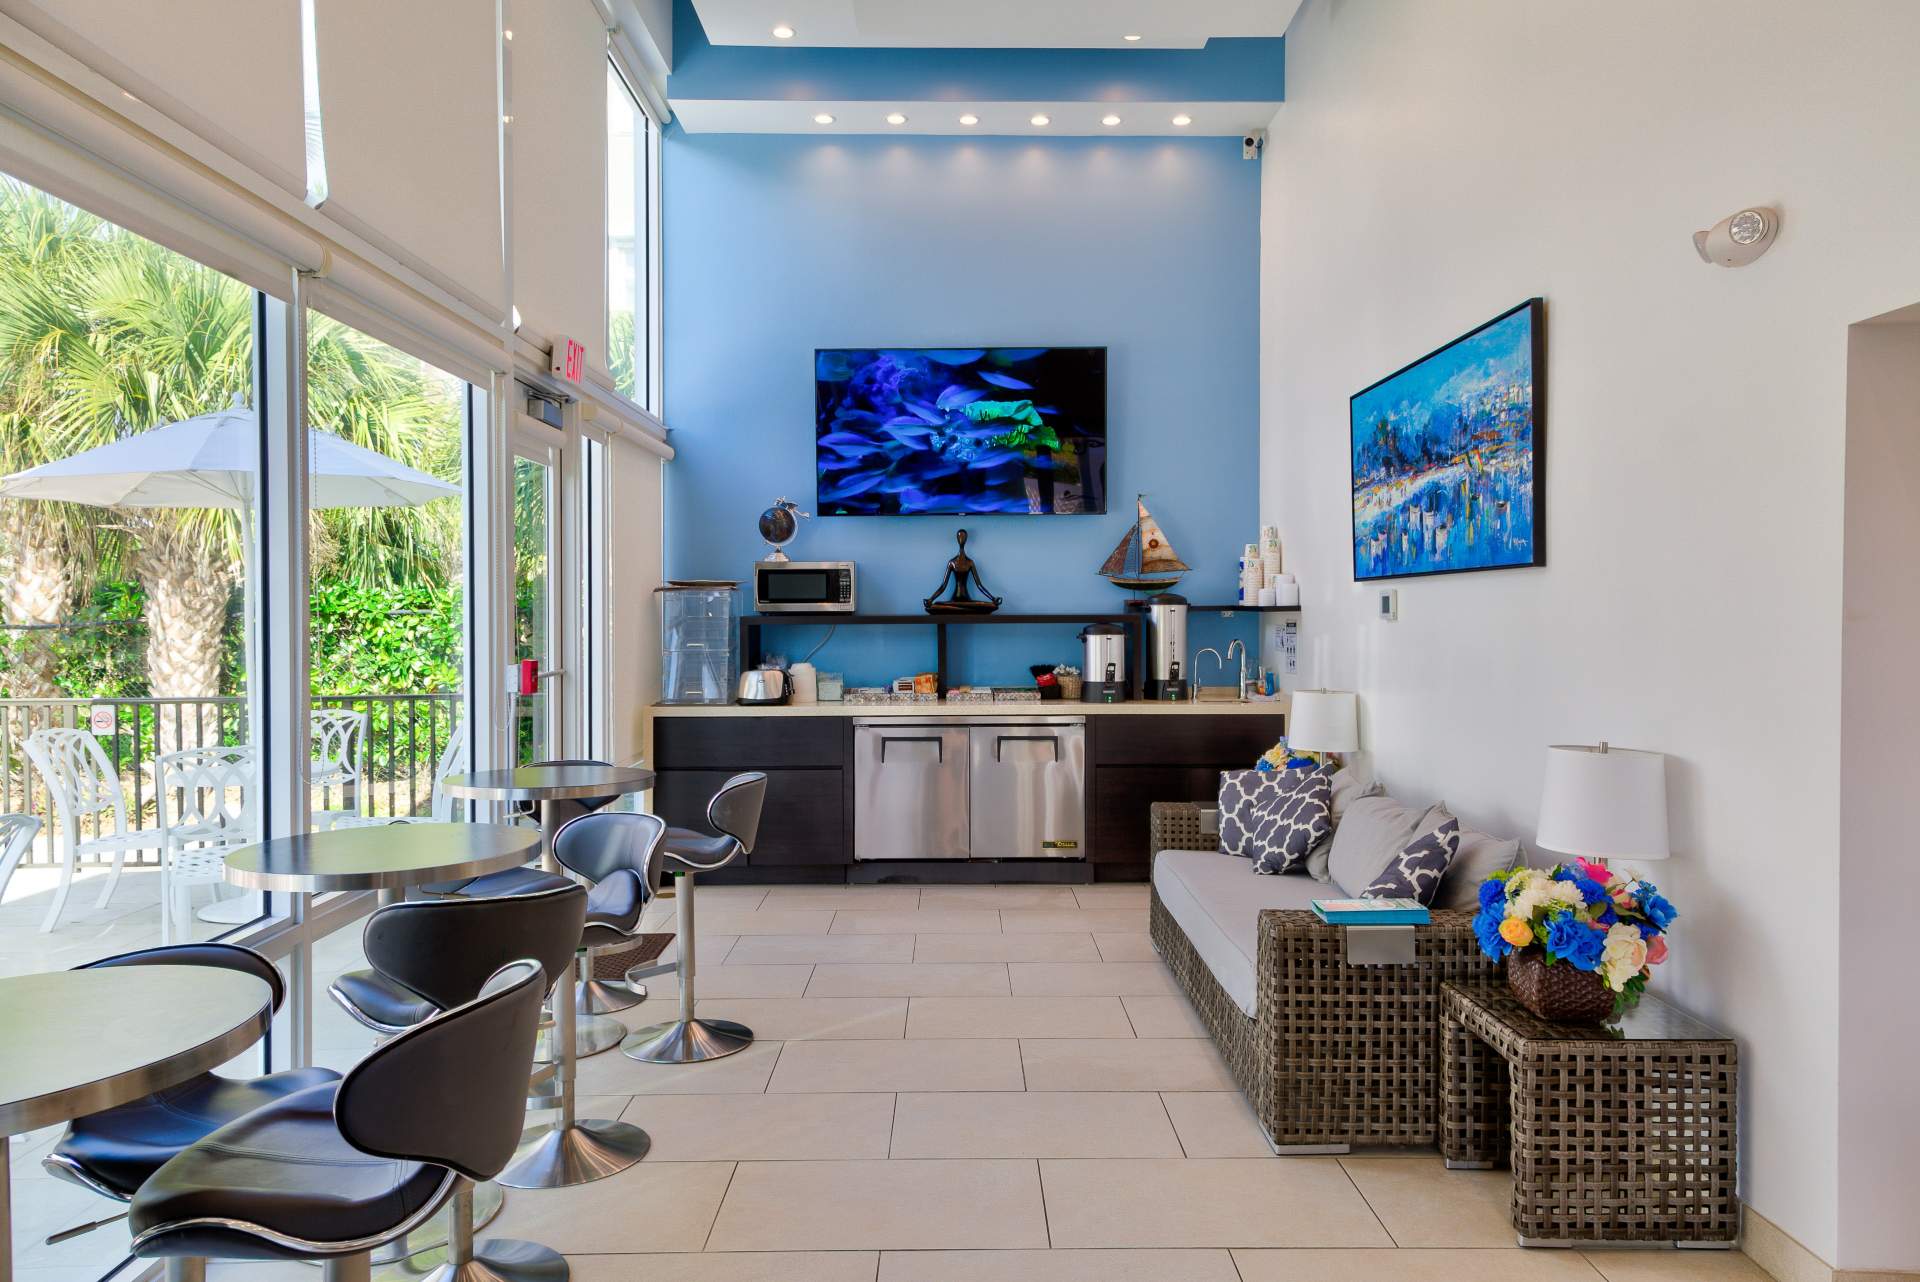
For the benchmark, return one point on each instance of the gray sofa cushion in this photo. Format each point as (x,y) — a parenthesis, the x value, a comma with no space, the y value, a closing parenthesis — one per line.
(1216,899)
(1417,871)
(1348,787)
(1478,857)
(1373,831)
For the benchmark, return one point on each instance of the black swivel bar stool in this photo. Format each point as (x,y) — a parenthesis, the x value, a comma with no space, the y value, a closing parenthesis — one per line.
(113,1152)
(329,1173)
(619,854)
(734,813)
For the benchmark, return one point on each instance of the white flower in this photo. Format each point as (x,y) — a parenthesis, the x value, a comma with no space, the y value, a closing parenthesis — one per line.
(1565,892)
(1535,895)
(1624,956)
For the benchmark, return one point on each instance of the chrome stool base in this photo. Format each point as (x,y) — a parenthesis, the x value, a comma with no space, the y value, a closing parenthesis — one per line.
(498,1260)
(687,1041)
(593,1034)
(558,1156)
(605,996)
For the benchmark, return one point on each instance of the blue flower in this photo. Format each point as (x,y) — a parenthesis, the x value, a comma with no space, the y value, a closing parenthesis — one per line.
(1606,916)
(1655,906)
(1590,890)
(1573,941)
(1493,894)
(1486,926)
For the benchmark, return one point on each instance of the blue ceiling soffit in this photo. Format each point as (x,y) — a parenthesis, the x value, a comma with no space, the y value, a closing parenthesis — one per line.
(1225,70)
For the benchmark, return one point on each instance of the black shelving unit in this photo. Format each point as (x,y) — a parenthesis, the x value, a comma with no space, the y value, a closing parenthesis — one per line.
(1251,609)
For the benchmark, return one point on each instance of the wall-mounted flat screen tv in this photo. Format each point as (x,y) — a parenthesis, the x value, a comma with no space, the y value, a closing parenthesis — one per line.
(960,431)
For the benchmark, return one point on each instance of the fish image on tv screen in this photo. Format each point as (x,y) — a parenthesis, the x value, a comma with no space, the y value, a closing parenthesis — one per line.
(960,431)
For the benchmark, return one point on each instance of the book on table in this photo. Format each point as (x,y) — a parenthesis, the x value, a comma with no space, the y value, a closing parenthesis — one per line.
(1371,912)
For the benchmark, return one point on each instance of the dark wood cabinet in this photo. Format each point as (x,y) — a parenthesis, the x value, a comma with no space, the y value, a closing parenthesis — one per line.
(804,821)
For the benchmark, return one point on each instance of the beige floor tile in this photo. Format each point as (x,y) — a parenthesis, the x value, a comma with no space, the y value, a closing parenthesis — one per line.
(727,896)
(1163,1017)
(1056,1266)
(1215,1124)
(743,1074)
(793,1019)
(1304,1201)
(679,1198)
(1125,946)
(1424,1204)
(715,1128)
(1005,948)
(1032,1124)
(910,979)
(1017,1017)
(852,1206)
(743,1266)
(896,898)
(764,921)
(1671,1266)
(1112,894)
(715,980)
(1144,1064)
(1413,1266)
(763,950)
(1090,979)
(925,921)
(909,1065)
(998,897)
(1054,921)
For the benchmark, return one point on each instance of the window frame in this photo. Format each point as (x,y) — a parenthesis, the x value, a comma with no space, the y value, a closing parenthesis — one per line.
(648,382)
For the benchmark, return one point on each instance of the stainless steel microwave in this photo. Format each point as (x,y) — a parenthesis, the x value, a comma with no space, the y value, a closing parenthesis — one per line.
(803,587)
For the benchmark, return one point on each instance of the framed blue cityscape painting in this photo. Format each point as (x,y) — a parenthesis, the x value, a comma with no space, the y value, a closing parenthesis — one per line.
(1449,456)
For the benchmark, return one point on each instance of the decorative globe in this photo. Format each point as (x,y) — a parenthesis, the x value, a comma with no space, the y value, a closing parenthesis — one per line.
(777,525)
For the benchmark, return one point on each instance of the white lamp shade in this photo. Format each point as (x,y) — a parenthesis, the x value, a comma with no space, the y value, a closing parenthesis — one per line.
(1324,721)
(1604,803)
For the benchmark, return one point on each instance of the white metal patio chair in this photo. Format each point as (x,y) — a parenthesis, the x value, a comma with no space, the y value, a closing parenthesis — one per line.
(209,805)
(339,761)
(440,808)
(16,839)
(83,784)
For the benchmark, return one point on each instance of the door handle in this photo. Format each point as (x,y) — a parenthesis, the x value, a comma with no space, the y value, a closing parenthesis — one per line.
(935,740)
(1027,738)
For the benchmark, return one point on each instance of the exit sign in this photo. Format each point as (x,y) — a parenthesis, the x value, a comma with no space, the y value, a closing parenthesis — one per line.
(569,360)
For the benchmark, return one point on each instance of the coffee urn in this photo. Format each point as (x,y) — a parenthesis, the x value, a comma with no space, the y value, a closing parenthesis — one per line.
(1166,647)
(1105,663)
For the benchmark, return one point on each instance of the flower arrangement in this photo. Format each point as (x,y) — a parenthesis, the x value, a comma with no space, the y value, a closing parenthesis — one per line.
(1586,915)
(1281,757)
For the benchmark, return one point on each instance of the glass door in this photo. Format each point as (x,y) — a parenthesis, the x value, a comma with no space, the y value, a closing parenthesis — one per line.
(538,556)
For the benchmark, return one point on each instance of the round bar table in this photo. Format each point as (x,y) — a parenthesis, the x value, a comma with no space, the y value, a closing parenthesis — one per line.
(570,1150)
(79,1041)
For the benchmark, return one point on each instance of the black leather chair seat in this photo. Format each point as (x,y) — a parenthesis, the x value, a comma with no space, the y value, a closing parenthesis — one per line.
(383,1001)
(281,1172)
(613,909)
(697,846)
(123,1146)
(514,881)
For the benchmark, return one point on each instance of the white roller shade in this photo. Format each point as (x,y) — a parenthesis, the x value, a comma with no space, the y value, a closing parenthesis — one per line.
(228,70)
(636,562)
(409,107)
(559,145)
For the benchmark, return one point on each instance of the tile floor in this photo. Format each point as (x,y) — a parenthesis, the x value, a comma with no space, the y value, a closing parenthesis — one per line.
(986,1084)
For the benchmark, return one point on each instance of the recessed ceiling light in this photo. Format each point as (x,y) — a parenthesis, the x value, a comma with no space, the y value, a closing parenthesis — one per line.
(895,118)
(1183,120)
(1042,120)
(508,33)
(969,119)
(823,119)
(783,32)
(1131,39)
(1109,121)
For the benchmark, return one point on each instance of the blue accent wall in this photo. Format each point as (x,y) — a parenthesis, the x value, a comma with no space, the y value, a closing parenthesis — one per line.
(776,245)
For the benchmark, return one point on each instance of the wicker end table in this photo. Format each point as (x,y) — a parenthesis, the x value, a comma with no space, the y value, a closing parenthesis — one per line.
(1617,1132)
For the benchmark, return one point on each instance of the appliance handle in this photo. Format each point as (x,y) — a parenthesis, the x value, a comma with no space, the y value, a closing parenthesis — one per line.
(933,739)
(1026,738)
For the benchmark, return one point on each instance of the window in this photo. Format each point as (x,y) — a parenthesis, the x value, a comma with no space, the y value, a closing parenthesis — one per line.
(632,227)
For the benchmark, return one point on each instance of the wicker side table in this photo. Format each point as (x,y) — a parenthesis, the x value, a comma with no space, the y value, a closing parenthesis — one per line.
(1622,1132)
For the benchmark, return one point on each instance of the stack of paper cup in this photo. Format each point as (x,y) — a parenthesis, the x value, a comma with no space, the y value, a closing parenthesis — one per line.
(1270,551)
(1285,590)
(1252,574)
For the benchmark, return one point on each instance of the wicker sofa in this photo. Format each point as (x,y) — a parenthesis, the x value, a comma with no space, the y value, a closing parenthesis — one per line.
(1334,1054)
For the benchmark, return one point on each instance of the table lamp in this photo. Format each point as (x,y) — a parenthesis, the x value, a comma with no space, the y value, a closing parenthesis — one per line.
(1604,803)
(1324,722)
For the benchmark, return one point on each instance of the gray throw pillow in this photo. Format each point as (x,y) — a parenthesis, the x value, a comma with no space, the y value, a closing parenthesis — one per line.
(1478,858)
(1373,831)
(1348,787)
(1245,797)
(1286,831)
(1415,873)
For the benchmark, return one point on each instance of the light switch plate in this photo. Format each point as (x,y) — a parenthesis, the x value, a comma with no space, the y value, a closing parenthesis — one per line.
(1389,604)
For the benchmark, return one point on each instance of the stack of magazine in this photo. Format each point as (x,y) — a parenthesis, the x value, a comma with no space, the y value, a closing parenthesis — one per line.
(1371,912)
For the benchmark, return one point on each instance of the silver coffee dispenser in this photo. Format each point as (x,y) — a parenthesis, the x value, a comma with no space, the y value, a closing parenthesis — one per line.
(1105,663)
(1166,647)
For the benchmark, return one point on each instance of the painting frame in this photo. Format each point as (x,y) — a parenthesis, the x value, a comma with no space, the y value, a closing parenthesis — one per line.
(1535,309)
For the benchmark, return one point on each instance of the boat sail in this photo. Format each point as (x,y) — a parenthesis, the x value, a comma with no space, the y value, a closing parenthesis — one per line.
(1144,560)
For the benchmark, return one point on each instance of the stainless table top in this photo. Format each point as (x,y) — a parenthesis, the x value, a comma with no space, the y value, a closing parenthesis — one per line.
(78,1041)
(548,783)
(388,857)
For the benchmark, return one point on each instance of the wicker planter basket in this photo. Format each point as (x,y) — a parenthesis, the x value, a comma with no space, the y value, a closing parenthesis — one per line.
(1071,688)
(1561,993)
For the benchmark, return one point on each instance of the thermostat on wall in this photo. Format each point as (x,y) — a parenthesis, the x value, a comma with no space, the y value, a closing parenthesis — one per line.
(1389,603)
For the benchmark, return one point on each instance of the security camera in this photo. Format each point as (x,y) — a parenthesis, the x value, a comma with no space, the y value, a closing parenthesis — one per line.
(1251,143)
(1738,239)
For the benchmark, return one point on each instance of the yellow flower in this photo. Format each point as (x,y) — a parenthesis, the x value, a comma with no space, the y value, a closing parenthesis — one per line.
(1516,932)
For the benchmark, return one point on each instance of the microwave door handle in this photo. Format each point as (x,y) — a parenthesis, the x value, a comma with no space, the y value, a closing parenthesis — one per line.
(938,743)
(1026,738)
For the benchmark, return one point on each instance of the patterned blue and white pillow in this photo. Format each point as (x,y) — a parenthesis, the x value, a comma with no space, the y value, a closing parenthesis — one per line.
(1245,797)
(1416,872)
(1287,829)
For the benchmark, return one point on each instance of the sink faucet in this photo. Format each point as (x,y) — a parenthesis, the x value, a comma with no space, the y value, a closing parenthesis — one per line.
(1193,692)
(1241,647)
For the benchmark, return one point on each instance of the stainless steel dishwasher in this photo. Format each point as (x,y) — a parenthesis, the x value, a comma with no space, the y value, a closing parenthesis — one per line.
(981,788)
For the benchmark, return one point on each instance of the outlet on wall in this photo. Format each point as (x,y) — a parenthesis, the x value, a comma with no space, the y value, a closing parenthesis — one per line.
(1389,604)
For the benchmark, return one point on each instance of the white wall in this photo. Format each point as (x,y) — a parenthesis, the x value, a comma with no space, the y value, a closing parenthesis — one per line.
(1436,164)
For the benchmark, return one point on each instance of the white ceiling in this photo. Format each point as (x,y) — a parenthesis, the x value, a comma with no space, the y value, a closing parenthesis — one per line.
(1068,119)
(993,24)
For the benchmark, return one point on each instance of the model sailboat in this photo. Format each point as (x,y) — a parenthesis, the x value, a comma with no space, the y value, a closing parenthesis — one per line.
(1144,560)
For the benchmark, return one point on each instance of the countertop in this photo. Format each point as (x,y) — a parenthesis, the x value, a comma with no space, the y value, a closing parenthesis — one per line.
(1046,707)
